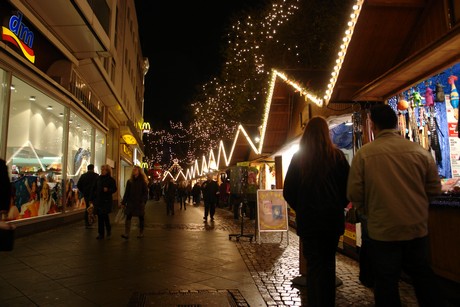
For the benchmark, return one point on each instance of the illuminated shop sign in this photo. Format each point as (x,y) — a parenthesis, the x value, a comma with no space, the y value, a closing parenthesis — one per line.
(20,35)
(127,151)
(144,165)
(146,127)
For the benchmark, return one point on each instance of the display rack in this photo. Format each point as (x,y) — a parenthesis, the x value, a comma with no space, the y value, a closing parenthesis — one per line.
(241,234)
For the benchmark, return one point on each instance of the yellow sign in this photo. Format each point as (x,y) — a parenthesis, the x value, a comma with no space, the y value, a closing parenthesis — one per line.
(127,151)
(146,127)
(129,139)
(144,165)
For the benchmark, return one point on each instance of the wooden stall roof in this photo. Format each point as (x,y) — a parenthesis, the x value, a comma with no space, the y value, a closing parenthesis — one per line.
(396,44)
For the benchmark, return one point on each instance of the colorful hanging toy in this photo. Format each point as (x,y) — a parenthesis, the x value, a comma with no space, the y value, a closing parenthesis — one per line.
(402,103)
(453,92)
(416,99)
(429,101)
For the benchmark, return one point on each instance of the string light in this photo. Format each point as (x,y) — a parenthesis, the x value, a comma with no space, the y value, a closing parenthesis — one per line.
(245,85)
(343,49)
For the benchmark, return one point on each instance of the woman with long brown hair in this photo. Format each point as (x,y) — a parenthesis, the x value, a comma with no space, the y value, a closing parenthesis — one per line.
(134,200)
(315,187)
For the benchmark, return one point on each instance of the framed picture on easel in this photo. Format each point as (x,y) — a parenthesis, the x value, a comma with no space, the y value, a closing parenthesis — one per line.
(272,214)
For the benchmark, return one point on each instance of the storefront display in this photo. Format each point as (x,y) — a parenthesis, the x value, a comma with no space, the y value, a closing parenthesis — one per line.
(35,151)
(34,160)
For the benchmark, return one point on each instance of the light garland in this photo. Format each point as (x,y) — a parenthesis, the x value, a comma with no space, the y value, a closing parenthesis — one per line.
(195,171)
(343,49)
(268,102)
(242,86)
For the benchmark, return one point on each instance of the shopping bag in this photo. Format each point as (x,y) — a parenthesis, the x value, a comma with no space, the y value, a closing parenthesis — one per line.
(120,218)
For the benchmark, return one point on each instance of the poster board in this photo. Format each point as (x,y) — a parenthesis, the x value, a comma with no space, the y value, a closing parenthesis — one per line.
(272,211)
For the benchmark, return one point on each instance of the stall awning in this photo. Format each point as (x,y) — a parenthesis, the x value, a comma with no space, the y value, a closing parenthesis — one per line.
(395,44)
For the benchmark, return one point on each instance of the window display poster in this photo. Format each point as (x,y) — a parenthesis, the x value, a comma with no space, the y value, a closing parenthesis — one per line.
(454,141)
(272,211)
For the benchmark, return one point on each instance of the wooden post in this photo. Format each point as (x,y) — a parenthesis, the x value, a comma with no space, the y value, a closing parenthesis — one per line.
(279,172)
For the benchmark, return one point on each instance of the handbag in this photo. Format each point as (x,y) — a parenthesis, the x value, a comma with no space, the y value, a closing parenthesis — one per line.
(352,216)
(120,218)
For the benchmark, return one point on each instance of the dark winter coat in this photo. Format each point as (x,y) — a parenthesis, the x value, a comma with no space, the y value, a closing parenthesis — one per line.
(86,184)
(318,210)
(103,200)
(170,192)
(210,189)
(196,190)
(136,195)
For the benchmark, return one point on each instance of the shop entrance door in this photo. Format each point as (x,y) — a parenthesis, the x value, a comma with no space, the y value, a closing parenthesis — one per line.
(126,170)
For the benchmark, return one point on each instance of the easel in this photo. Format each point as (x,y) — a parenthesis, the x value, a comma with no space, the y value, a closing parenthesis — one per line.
(241,234)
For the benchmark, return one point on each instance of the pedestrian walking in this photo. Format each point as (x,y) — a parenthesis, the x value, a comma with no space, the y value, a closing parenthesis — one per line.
(224,193)
(182,195)
(210,191)
(315,187)
(170,189)
(390,183)
(196,193)
(188,191)
(102,199)
(134,200)
(86,185)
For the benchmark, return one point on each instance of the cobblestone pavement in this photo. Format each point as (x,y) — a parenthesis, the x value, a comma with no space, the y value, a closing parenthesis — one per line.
(275,262)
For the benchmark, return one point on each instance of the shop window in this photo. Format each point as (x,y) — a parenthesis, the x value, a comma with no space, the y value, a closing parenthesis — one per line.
(99,149)
(3,97)
(34,152)
(79,156)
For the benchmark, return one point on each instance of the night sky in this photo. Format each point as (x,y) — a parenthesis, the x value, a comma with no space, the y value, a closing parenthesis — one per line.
(183,42)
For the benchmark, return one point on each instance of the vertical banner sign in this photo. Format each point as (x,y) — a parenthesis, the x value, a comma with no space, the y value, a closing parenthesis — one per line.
(272,215)
(454,141)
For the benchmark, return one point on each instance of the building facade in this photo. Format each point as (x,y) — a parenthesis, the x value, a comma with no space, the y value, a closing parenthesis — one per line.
(72,87)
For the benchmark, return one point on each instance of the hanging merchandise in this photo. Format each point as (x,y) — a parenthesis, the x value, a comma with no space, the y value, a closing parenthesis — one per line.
(416,99)
(424,129)
(454,97)
(414,132)
(402,106)
(434,138)
(402,123)
(453,92)
(440,97)
(402,103)
(369,133)
(357,130)
(429,101)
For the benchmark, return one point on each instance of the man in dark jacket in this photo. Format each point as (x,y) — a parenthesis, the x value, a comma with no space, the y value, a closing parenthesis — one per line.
(170,190)
(86,185)
(102,199)
(210,190)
